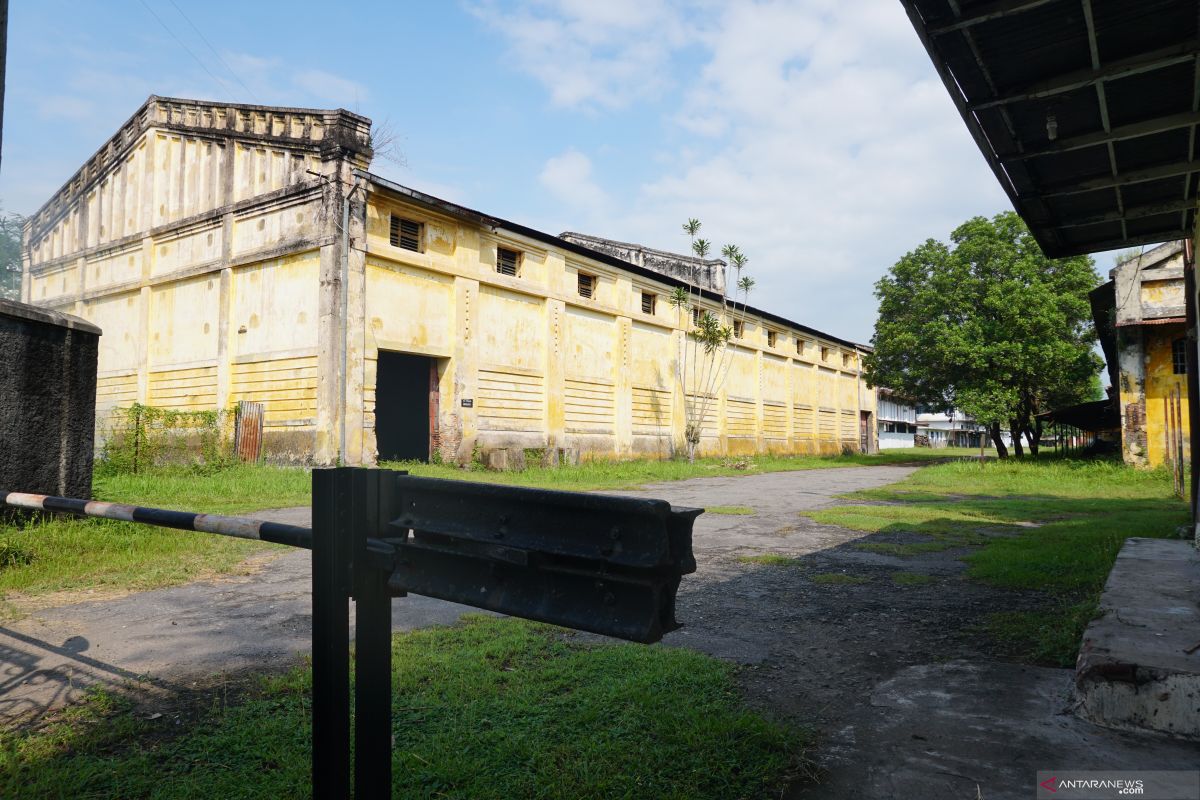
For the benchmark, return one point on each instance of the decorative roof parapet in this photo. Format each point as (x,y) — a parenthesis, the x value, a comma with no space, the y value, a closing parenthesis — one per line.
(332,133)
(707,273)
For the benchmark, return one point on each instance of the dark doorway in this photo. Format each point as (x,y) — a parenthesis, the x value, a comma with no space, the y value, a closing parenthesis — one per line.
(405,402)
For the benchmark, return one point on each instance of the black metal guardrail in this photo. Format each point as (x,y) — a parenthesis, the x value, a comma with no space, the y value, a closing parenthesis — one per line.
(609,565)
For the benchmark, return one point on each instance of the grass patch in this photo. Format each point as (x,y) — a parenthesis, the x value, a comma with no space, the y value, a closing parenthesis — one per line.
(236,490)
(60,554)
(737,511)
(909,549)
(912,579)
(600,475)
(65,554)
(771,559)
(1042,637)
(487,709)
(838,578)
(927,518)
(1051,525)
(55,554)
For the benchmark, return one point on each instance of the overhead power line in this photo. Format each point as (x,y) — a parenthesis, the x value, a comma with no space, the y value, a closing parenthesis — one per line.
(165,27)
(208,44)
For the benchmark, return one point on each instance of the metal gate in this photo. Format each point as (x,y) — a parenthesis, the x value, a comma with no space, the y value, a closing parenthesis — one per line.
(248,431)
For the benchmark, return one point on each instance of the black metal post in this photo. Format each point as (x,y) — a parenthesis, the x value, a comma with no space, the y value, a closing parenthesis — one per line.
(332,517)
(373,648)
(1193,379)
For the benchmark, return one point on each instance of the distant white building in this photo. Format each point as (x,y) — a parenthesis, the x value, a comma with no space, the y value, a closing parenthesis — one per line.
(897,421)
(954,429)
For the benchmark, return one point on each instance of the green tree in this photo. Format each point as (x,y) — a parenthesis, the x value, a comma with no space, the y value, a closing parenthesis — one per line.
(989,325)
(10,255)
(703,361)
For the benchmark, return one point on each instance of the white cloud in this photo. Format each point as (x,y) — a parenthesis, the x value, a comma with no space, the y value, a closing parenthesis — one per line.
(330,89)
(568,177)
(816,136)
(591,54)
(59,106)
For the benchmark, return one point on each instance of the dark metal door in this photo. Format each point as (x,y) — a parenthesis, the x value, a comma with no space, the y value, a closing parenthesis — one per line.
(403,406)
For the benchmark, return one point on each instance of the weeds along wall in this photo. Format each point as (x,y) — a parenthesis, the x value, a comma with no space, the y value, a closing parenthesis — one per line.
(235,252)
(142,437)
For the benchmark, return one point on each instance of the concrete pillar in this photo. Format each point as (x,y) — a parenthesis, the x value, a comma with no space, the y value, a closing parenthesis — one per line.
(556,380)
(623,389)
(328,357)
(466,369)
(355,330)
(224,356)
(789,408)
(760,440)
(331,323)
(143,347)
(1130,349)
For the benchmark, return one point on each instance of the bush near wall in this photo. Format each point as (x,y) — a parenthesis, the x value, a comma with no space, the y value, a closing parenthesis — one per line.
(144,437)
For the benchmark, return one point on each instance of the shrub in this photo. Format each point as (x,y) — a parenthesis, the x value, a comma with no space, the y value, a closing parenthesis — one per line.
(142,437)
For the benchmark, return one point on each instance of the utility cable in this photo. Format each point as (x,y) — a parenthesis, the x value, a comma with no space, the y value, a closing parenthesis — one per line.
(208,44)
(203,66)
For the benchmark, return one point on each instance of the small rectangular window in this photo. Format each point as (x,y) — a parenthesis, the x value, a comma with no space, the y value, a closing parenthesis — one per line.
(770,338)
(649,302)
(696,312)
(1179,356)
(739,328)
(405,234)
(587,285)
(508,262)
(824,353)
(846,359)
(799,347)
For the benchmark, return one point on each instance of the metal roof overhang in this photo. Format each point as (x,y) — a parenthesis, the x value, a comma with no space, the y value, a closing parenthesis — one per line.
(1086,110)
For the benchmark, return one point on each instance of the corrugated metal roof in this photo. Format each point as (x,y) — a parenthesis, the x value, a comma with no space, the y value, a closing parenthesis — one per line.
(1086,110)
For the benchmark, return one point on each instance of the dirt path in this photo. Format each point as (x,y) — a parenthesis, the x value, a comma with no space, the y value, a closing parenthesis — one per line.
(907,698)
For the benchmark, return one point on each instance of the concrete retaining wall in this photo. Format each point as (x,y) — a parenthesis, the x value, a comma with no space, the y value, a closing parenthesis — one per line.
(47,400)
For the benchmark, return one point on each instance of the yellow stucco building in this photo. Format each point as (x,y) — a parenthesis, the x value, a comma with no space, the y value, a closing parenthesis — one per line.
(234,252)
(1143,328)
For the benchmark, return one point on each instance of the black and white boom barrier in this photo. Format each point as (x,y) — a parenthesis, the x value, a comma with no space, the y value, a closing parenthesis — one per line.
(609,565)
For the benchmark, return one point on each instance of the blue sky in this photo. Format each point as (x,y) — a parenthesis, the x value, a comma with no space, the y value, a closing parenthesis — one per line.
(812,133)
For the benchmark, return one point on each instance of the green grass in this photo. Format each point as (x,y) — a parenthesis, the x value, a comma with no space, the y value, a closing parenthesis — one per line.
(489,709)
(909,549)
(599,475)
(1050,525)
(838,578)
(67,555)
(912,579)
(771,560)
(737,511)
(57,554)
(104,556)
(235,490)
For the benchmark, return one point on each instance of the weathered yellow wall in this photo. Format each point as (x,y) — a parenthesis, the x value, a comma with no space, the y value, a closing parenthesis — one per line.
(1161,382)
(197,256)
(546,367)
(211,258)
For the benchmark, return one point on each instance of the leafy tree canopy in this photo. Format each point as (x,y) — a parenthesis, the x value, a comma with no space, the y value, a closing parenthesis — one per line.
(10,255)
(989,325)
